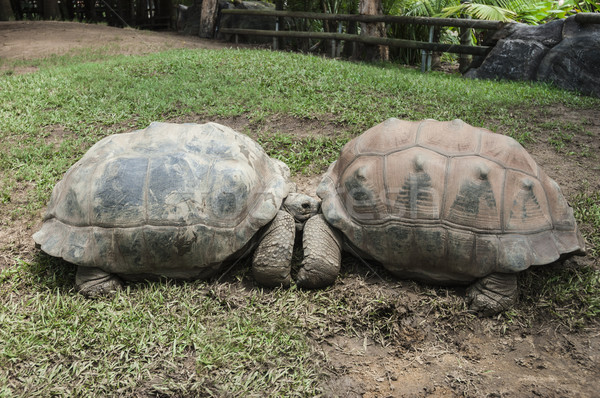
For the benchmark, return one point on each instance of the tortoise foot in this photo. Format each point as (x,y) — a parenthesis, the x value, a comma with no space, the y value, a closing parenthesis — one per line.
(93,282)
(322,254)
(272,261)
(493,294)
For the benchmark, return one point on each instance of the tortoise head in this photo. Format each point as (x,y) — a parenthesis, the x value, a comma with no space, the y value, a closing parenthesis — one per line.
(301,207)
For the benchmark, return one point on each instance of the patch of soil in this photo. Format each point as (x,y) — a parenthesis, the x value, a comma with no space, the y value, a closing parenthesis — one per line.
(427,352)
(26,40)
(569,154)
(481,365)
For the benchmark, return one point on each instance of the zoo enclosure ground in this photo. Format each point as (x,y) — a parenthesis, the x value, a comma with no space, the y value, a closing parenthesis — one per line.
(434,348)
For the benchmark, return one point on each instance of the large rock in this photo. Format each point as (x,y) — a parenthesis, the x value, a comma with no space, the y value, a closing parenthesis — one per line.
(574,63)
(512,60)
(563,52)
(549,34)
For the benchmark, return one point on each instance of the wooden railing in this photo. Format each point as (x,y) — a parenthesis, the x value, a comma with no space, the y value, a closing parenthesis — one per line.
(384,41)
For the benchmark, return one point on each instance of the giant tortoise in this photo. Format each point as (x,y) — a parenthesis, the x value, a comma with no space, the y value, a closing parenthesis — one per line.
(177,201)
(442,202)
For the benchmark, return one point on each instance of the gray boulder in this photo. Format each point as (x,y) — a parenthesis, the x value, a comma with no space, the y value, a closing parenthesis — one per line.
(574,63)
(549,34)
(512,60)
(563,52)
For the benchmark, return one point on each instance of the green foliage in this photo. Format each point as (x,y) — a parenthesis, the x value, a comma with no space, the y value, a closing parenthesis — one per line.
(527,11)
(544,11)
(490,12)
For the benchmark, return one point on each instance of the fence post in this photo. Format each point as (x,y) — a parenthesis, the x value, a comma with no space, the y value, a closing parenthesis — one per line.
(464,60)
(275,38)
(427,55)
(278,23)
(339,47)
(333,42)
(335,45)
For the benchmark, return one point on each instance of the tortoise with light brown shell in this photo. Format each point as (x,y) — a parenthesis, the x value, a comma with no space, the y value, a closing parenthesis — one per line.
(443,202)
(173,200)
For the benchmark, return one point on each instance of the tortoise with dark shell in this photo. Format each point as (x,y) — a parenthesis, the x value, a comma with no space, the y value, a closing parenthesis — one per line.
(174,200)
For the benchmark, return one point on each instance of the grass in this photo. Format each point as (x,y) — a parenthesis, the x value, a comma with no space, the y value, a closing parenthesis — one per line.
(567,293)
(182,339)
(587,212)
(231,338)
(305,155)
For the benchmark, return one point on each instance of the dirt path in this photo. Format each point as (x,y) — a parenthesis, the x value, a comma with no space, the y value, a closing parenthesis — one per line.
(433,353)
(39,39)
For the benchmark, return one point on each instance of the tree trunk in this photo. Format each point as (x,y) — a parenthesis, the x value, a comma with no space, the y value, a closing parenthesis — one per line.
(51,9)
(370,52)
(6,11)
(208,18)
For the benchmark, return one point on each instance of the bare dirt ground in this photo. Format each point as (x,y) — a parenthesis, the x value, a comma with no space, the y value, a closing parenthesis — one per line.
(432,351)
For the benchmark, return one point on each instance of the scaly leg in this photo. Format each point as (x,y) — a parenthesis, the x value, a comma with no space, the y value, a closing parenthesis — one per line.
(322,254)
(272,261)
(94,282)
(493,294)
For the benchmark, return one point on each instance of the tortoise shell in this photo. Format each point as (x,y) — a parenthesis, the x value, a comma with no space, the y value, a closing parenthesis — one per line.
(174,200)
(446,202)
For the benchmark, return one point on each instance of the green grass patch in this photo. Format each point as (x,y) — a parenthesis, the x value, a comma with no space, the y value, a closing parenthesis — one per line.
(568,293)
(304,155)
(586,207)
(207,339)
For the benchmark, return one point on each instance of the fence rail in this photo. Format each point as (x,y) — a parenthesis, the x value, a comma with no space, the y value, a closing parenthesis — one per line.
(455,22)
(464,24)
(421,45)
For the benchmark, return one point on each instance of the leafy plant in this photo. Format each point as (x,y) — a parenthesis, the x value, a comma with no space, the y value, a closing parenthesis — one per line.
(496,10)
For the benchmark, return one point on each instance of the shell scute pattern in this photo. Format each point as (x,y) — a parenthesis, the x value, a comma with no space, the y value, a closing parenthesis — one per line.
(446,201)
(179,198)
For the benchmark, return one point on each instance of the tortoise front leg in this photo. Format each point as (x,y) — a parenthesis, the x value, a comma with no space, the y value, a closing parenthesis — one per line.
(94,282)
(493,294)
(322,254)
(272,260)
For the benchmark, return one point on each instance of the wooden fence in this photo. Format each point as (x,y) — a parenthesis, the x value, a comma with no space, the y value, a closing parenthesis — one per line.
(464,24)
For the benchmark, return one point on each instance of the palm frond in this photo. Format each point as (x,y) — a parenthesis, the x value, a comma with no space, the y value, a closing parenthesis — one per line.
(480,11)
(429,8)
